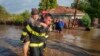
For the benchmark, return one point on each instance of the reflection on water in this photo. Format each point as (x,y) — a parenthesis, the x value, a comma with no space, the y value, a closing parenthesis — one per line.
(89,41)
(9,39)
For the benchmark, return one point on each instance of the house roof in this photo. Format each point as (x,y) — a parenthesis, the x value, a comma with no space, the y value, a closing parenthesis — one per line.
(64,10)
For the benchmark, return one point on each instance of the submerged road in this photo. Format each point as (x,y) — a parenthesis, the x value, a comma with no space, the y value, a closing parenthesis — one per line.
(75,42)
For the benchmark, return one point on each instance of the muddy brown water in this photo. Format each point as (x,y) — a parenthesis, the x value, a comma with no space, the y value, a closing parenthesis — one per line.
(74,42)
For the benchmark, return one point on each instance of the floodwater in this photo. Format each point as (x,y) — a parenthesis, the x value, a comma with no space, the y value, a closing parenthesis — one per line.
(73,42)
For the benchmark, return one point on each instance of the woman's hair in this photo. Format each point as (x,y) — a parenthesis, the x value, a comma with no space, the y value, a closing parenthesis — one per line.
(34,11)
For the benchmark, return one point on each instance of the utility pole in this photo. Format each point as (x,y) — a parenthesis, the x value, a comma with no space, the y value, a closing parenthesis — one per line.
(76,8)
(75,19)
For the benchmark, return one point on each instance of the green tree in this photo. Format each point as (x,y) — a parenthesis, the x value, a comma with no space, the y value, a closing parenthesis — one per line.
(92,7)
(81,5)
(13,18)
(47,4)
(86,20)
(25,14)
(20,18)
(3,13)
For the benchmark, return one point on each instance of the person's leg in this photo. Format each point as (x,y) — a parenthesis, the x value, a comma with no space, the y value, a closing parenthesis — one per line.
(41,51)
(26,48)
(34,51)
(60,30)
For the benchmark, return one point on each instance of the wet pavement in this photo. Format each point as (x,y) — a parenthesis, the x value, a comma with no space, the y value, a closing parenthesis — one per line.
(73,42)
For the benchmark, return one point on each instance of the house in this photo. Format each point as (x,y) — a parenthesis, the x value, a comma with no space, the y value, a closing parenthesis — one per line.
(65,12)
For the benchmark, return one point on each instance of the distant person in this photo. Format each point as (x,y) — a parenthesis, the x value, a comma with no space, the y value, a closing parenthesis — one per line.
(59,25)
(95,22)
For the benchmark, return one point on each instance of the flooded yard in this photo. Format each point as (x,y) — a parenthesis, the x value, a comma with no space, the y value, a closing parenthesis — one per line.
(73,42)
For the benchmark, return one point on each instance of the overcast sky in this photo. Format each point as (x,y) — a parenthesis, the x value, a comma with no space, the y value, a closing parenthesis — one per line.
(17,6)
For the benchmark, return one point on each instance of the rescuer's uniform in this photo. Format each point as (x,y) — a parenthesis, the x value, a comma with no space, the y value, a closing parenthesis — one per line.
(37,35)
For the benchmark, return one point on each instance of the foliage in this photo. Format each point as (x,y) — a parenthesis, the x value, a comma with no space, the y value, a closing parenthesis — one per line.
(81,5)
(25,14)
(20,18)
(95,8)
(92,7)
(86,20)
(3,14)
(47,4)
(14,18)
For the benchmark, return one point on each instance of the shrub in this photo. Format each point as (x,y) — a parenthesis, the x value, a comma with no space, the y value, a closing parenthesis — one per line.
(86,20)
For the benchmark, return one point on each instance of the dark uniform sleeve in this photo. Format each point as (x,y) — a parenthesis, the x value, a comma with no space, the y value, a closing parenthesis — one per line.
(24,36)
